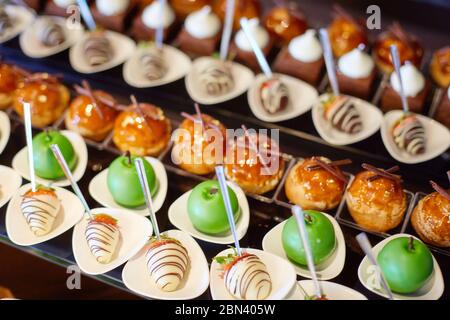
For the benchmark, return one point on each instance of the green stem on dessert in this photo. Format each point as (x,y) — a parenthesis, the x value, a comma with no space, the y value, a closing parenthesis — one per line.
(213,191)
(128,155)
(308,218)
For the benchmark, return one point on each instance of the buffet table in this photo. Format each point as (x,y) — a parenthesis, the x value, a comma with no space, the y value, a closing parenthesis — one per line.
(298,139)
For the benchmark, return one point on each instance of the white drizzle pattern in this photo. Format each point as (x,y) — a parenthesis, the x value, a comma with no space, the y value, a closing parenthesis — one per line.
(216,78)
(409,135)
(248,279)
(40,212)
(153,65)
(102,239)
(167,264)
(274,95)
(344,116)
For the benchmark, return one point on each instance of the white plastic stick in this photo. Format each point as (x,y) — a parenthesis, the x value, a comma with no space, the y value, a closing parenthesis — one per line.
(227,29)
(29,138)
(329,61)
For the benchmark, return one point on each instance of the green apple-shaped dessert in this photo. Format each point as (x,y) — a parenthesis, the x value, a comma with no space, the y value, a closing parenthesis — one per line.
(406,263)
(123,181)
(45,164)
(206,208)
(320,234)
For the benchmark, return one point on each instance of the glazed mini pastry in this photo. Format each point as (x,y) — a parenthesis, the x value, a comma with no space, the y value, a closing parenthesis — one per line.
(243,9)
(59,7)
(47,96)
(153,64)
(356,73)
(91,113)
(183,8)
(10,79)
(257,165)
(216,78)
(345,32)
(206,209)
(241,46)
(245,276)
(274,95)
(50,33)
(415,86)
(148,20)
(142,129)
(112,14)
(316,183)
(167,262)
(201,32)
(102,236)
(409,134)
(123,181)
(431,217)
(40,209)
(189,151)
(285,22)
(376,199)
(5,21)
(45,164)
(440,67)
(443,110)
(342,114)
(97,48)
(409,48)
(302,58)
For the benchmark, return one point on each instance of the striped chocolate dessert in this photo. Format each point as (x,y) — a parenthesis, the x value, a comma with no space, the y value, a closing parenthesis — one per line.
(50,33)
(247,278)
(274,95)
(40,209)
(153,64)
(167,262)
(409,134)
(97,49)
(343,115)
(102,235)
(216,78)
(5,20)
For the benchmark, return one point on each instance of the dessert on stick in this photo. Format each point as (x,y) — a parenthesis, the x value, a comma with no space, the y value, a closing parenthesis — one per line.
(191,146)
(112,14)
(49,32)
(153,63)
(166,258)
(431,217)
(40,205)
(242,268)
(376,199)
(97,48)
(339,110)
(316,183)
(408,132)
(102,232)
(92,113)
(142,129)
(183,8)
(156,15)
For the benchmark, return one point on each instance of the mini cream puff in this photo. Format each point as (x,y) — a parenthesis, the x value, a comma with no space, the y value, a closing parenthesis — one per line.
(142,129)
(47,96)
(316,184)
(431,217)
(376,199)
(190,150)
(92,113)
(254,163)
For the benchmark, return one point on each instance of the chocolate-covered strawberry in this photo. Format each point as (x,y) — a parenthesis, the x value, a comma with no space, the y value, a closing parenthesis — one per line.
(342,114)
(409,134)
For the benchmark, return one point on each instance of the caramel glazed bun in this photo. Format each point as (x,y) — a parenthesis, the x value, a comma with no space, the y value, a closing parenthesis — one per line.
(184,149)
(143,130)
(249,171)
(377,205)
(48,100)
(89,119)
(431,219)
(314,189)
